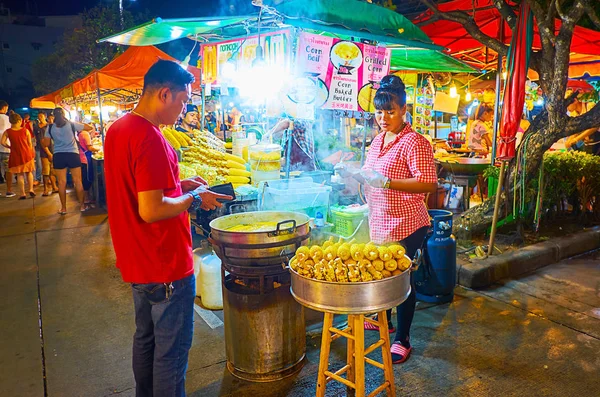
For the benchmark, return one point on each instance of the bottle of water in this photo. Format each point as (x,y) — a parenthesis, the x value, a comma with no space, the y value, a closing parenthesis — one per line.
(319,220)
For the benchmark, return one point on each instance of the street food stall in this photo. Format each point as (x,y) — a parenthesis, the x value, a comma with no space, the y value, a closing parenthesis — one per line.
(307,73)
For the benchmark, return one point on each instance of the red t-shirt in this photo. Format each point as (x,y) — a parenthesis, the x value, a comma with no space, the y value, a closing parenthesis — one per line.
(137,158)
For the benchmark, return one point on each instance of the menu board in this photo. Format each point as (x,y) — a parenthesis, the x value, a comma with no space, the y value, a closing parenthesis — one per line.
(423,115)
(341,74)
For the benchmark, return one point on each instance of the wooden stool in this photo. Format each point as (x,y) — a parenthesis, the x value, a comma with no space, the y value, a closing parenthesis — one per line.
(356,355)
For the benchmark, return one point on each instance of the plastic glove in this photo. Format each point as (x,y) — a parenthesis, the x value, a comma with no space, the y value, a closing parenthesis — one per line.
(374,178)
(344,171)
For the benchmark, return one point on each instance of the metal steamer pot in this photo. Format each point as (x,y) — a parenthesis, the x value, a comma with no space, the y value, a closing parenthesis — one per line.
(351,298)
(259,248)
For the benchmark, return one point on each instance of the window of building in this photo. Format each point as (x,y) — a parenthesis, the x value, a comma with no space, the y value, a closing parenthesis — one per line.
(36,46)
(8,69)
(6,46)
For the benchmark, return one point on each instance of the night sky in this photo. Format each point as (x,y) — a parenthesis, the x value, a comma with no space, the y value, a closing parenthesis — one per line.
(157,8)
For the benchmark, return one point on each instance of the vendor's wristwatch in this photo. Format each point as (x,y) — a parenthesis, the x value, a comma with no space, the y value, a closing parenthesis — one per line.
(197,203)
(386,185)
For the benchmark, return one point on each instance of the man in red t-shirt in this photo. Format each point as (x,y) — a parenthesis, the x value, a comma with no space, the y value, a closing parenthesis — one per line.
(150,228)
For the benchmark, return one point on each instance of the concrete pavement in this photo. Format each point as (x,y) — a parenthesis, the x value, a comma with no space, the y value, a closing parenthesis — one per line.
(537,335)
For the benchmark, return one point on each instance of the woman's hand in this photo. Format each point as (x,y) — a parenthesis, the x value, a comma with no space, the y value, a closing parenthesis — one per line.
(344,171)
(374,178)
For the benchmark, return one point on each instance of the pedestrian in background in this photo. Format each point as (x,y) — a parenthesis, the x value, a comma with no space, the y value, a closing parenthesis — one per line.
(47,169)
(5,175)
(150,228)
(66,155)
(86,149)
(21,161)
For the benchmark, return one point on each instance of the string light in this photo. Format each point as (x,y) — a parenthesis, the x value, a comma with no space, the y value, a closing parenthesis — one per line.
(453,92)
(468,96)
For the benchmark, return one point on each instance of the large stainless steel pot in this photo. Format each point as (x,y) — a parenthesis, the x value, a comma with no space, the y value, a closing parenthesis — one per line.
(259,248)
(351,298)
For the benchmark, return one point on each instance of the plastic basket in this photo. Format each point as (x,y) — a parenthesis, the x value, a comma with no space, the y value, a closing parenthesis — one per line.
(349,225)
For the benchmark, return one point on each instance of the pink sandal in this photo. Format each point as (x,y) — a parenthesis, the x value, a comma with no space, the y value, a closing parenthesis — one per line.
(373,327)
(401,351)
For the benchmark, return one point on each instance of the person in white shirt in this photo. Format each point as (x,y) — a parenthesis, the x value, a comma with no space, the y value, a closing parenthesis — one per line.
(5,174)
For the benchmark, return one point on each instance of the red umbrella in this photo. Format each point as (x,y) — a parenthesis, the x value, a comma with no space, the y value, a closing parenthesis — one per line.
(514,91)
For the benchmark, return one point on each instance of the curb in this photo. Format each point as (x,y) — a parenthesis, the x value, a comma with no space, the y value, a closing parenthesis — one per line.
(483,272)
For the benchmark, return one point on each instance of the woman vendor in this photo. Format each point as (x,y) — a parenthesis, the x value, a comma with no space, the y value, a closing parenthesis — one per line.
(479,133)
(398,171)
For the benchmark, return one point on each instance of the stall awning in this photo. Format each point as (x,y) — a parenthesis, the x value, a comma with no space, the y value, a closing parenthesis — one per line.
(123,77)
(160,30)
(422,60)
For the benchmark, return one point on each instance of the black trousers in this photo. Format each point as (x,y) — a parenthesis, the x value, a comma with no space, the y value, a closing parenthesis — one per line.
(406,310)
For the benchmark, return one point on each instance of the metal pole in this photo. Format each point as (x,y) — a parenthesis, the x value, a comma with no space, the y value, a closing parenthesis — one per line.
(100,109)
(202,93)
(288,151)
(496,208)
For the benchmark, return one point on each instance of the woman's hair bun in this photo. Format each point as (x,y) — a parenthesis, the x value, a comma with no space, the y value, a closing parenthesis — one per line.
(392,83)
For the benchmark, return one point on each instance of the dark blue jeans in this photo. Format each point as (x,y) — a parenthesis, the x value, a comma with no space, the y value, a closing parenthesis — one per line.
(163,336)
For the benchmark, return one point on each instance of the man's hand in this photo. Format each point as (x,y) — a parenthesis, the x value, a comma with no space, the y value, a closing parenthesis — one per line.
(187,185)
(210,199)
(374,178)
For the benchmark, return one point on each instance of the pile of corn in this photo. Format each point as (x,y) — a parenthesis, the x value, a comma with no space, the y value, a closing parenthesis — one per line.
(217,166)
(347,262)
(205,156)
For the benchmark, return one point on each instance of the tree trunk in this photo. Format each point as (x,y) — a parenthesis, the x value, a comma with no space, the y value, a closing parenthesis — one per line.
(540,136)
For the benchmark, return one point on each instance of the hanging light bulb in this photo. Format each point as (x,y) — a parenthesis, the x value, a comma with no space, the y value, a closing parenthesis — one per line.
(453,92)
(504,74)
(468,96)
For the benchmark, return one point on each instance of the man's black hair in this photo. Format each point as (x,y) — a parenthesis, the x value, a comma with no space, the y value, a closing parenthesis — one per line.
(167,74)
(3,104)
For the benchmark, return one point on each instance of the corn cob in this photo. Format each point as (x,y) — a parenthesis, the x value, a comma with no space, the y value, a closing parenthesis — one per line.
(328,243)
(391,265)
(237,179)
(303,253)
(354,273)
(370,252)
(330,271)
(238,172)
(386,273)
(356,250)
(403,264)
(171,139)
(397,251)
(396,272)
(374,272)
(384,253)
(341,271)
(319,270)
(316,253)
(178,135)
(235,164)
(378,264)
(231,157)
(344,251)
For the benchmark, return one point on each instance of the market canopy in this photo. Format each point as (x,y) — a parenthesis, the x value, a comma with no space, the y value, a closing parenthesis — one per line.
(460,44)
(348,19)
(121,80)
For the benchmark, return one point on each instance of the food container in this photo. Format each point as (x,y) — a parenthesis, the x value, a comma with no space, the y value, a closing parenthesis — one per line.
(265,162)
(299,195)
(259,248)
(351,298)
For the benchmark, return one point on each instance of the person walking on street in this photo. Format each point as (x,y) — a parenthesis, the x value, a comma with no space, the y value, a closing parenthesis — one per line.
(22,159)
(37,144)
(66,155)
(147,214)
(86,149)
(47,169)
(5,174)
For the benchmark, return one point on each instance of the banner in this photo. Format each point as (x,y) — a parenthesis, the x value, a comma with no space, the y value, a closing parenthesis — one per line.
(344,74)
(219,61)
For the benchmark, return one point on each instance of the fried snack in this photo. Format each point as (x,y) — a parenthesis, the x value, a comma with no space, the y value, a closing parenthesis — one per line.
(316,253)
(370,252)
(356,251)
(364,273)
(375,273)
(378,265)
(330,271)
(403,264)
(397,250)
(390,265)
(344,251)
(350,262)
(384,253)
(354,273)
(386,273)
(303,253)
(319,270)
(341,271)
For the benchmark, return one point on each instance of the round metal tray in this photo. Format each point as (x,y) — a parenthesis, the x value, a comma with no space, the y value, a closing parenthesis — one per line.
(351,298)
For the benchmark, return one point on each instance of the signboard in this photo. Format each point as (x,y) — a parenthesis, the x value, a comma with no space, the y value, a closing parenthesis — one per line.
(219,61)
(423,119)
(344,74)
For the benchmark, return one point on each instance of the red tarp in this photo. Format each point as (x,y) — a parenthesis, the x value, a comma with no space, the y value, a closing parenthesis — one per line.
(454,36)
(125,72)
(514,91)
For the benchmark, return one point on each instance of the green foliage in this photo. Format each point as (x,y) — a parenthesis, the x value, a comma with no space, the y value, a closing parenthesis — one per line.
(491,172)
(568,172)
(77,53)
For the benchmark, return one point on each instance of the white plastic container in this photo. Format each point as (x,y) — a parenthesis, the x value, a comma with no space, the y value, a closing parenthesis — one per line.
(198,253)
(299,195)
(211,293)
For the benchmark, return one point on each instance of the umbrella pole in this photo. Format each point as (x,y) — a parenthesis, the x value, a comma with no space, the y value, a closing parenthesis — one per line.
(496,208)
